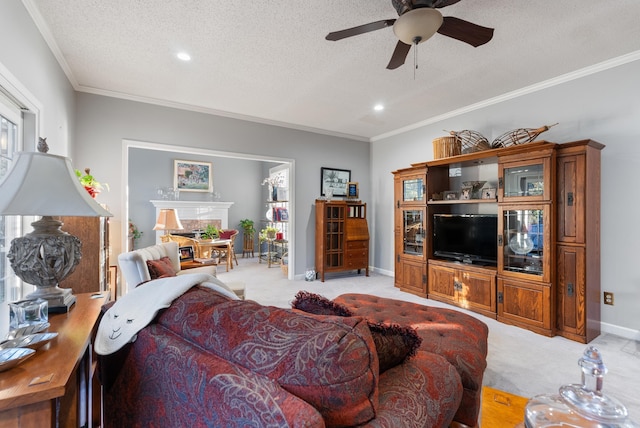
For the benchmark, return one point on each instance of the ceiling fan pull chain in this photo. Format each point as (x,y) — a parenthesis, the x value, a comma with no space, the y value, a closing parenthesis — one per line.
(416,40)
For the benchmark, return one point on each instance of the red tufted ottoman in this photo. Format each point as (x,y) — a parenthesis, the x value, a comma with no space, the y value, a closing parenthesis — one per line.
(458,337)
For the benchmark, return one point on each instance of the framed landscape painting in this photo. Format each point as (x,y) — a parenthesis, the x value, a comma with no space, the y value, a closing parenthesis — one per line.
(192,176)
(335,180)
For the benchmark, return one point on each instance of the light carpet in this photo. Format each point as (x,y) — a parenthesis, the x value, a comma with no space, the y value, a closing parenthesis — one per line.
(519,361)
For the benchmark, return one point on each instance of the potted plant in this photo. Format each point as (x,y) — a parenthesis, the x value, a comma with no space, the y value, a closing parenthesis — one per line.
(248,227)
(89,182)
(210,232)
(134,234)
(268,232)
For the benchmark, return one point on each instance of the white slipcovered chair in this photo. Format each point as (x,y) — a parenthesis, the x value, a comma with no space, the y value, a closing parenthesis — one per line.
(133,265)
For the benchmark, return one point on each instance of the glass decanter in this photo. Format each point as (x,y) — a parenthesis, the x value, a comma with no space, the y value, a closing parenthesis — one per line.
(579,406)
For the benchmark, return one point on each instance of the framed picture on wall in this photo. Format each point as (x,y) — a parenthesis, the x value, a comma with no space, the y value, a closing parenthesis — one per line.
(352,190)
(332,179)
(192,176)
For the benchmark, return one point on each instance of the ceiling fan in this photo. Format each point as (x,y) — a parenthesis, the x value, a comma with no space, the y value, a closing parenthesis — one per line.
(418,21)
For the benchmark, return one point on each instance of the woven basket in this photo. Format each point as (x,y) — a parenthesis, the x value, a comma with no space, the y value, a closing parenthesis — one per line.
(445,147)
(471,141)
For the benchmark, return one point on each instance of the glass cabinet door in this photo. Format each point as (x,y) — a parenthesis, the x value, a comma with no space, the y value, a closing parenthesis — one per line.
(413,189)
(528,180)
(413,232)
(525,246)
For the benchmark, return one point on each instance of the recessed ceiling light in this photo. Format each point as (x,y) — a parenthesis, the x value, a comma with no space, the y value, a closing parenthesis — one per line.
(378,107)
(184,56)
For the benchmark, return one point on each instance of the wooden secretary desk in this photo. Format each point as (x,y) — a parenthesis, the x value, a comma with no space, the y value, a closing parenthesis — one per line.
(56,387)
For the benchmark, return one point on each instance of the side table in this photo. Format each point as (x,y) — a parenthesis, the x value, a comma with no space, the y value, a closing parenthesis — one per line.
(501,409)
(56,387)
(191,264)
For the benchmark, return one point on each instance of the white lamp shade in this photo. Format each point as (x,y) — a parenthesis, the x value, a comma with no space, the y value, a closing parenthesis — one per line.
(45,185)
(168,220)
(421,23)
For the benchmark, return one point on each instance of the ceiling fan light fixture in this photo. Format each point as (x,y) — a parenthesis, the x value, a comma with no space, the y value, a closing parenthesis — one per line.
(417,25)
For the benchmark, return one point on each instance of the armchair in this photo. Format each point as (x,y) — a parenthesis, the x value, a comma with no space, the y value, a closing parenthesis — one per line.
(229,234)
(133,266)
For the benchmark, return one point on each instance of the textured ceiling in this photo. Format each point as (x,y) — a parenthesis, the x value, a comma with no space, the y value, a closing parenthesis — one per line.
(269,61)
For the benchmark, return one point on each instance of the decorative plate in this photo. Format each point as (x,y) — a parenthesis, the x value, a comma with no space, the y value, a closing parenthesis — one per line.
(33,341)
(27,330)
(11,357)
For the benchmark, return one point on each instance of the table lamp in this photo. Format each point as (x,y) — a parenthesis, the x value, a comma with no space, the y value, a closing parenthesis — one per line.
(45,185)
(168,220)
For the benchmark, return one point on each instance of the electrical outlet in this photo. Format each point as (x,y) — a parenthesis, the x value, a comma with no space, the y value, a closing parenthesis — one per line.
(608,298)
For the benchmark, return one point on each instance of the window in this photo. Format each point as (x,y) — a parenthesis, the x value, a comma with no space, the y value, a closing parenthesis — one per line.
(10,226)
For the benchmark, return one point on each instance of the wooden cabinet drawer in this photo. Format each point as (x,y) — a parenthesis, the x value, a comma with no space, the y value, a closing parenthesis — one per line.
(357,263)
(358,254)
(354,245)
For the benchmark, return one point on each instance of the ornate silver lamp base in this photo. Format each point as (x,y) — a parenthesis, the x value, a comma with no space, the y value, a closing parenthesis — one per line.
(45,257)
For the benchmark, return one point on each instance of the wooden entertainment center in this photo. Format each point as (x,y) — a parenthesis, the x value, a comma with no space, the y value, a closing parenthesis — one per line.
(547,200)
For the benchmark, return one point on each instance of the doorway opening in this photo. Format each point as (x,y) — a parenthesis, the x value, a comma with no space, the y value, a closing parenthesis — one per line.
(264,163)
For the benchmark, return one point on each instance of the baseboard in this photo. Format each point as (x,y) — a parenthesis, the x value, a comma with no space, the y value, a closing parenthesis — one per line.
(382,271)
(617,330)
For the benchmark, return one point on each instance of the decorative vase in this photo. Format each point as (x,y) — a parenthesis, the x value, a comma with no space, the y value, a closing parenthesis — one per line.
(310,275)
(274,193)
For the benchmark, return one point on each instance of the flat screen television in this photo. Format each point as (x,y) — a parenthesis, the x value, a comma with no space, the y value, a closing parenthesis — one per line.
(468,238)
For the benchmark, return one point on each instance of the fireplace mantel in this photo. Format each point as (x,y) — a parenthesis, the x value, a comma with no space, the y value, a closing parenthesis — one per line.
(196,210)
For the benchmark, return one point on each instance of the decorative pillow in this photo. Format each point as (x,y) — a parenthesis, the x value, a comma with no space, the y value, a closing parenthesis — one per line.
(161,268)
(394,343)
(319,305)
(226,234)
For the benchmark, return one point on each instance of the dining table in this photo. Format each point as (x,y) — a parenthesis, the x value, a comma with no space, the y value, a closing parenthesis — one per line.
(211,245)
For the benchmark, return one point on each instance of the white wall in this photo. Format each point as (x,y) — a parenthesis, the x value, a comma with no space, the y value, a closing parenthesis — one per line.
(605,107)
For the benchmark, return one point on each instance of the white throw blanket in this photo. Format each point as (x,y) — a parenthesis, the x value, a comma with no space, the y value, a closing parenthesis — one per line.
(135,310)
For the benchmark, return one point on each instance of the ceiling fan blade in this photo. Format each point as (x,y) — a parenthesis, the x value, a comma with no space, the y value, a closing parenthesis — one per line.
(360,29)
(399,55)
(465,31)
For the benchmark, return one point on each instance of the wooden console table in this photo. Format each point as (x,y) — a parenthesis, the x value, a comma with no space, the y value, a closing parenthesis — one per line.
(56,386)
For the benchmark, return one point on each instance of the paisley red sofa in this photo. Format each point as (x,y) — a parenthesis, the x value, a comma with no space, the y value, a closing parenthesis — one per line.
(210,361)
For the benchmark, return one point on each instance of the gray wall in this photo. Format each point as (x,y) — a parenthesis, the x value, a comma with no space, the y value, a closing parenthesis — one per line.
(237,181)
(605,107)
(103,123)
(28,68)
